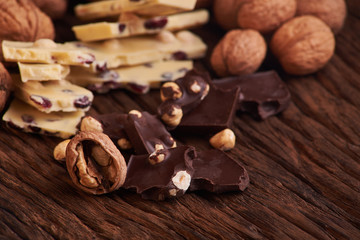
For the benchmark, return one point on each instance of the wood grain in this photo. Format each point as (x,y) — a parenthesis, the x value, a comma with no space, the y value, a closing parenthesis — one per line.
(304,167)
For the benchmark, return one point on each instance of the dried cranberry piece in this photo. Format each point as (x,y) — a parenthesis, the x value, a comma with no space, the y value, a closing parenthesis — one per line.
(44,102)
(102,67)
(136,88)
(156,23)
(87,60)
(27,118)
(82,102)
(179,55)
(121,27)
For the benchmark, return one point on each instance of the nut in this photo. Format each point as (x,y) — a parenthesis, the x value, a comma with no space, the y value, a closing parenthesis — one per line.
(5,86)
(55,9)
(94,163)
(22,20)
(265,16)
(136,113)
(173,116)
(332,12)
(124,144)
(60,150)
(303,45)
(89,123)
(45,43)
(181,180)
(170,90)
(225,13)
(223,140)
(239,52)
(157,156)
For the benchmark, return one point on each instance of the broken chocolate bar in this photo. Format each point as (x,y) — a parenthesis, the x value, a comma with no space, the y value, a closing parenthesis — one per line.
(215,171)
(147,133)
(261,94)
(163,174)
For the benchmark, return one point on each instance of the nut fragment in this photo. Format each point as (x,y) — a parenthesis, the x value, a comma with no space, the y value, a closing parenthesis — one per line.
(94,163)
(60,150)
(303,45)
(170,90)
(223,140)
(124,144)
(89,123)
(182,180)
(172,116)
(157,156)
(239,52)
(136,112)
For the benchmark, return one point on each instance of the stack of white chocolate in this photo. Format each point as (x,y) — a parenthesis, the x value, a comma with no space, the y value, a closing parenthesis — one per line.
(55,78)
(143,46)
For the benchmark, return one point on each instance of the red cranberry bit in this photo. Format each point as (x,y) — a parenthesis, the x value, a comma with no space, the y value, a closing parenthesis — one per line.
(88,60)
(180,55)
(156,23)
(121,27)
(44,102)
(137,88)
(101,67)
(149,65)
(27,118)
(82,102)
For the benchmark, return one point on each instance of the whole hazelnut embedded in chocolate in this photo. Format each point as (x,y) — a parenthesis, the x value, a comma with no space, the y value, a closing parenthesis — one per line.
(303,45)
(170,90)
(239,52)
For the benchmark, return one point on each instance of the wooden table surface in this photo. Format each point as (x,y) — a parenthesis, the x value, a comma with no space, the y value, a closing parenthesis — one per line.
(304,167)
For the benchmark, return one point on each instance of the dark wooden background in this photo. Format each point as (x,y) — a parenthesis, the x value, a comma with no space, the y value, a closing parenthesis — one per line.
(304,167)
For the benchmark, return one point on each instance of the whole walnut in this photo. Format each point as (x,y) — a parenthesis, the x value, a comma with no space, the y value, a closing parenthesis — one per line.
(203,3)
(5,86)
(22,20)
(53,8)
(303,45)
(238,52)
(264,16)
(332,12)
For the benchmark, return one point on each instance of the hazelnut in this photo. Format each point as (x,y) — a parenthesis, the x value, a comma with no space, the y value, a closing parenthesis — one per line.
(22,20)
(238,52)
(303,45)
(182,180)
(91,124)
(124,144)
(332,12)
(136,113)
(55,9)
(170,90)
(223,140)
(5,86)
(60,150)
(173,117)
(265,16)
(156,157)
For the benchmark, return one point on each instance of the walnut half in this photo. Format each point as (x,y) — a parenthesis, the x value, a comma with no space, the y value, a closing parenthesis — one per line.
(94,163)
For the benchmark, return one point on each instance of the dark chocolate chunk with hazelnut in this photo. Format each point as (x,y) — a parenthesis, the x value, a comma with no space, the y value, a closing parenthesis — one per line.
(147,133)
(182,95)
(215,171)
(165,173)
(261,94)
(94,163)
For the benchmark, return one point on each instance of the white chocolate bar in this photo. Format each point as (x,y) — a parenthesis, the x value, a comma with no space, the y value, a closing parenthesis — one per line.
(60,124)
(138,79)
(143,49)
(53,96)
(42,72)
(139,26)
(111,8)
(45,51)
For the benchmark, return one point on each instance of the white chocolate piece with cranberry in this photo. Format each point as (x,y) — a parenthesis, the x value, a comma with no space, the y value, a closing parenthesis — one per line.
(45,51)
(112,8)
(42,72)
(60,124)
(138,79)
(165,45)
(53,96)
(138,26)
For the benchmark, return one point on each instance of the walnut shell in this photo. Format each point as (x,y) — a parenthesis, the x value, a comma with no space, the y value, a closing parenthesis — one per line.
(238,52)
(332,12)
(22,20)
(5,86)
(303,45)
(225,13)
(265,16)
(55,9)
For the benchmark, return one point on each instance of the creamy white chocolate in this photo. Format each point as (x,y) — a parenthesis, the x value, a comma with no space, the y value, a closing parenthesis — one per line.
(53,96)
(143,49)
(137,79)
(42,72)
(111,8)
(138,26)
(45,52)
(22,116)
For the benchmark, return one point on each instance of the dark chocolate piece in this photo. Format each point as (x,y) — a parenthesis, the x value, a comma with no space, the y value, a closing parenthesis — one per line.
(213,114)
(261,94)
(215,171)
(163,179)
(146,133)
(113,125)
